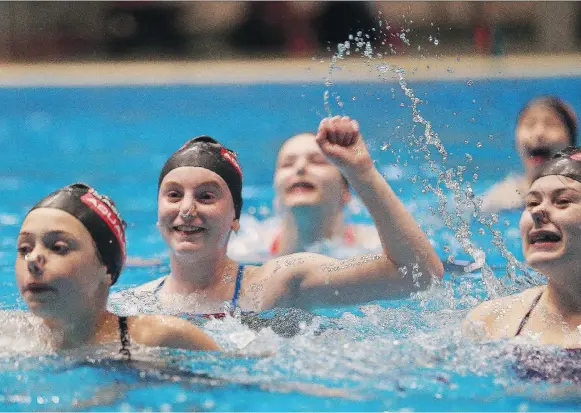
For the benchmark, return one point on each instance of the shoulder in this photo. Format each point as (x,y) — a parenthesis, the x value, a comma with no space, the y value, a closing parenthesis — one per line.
(150,286)
(277,281)
(365,236)
(500,314)
(507,194)
(168,331)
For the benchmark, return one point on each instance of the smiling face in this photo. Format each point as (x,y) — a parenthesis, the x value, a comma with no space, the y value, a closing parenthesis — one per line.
(540,133)
(195,211)
(551,224)
(61,273)
(304,176)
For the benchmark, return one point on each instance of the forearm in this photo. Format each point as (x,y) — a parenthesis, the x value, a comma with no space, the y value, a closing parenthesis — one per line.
(401,238)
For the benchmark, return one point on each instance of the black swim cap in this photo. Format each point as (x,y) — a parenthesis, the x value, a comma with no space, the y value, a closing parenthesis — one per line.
(99,215)
(566,163)
(561,108)
(206,152)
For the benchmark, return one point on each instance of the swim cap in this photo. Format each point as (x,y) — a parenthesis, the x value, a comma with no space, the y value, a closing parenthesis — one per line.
(206,152)
(566,163)
(561,108)
(99,215)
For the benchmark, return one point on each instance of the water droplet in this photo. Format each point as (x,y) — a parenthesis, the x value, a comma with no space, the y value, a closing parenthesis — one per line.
(473,100)
(469,83)
(436,42)
(475,176)
(479,144)
(353,98)
(481,231)
(446,249)
(468,157)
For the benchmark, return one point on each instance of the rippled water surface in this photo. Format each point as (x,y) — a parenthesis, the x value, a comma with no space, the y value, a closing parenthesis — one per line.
(406,354)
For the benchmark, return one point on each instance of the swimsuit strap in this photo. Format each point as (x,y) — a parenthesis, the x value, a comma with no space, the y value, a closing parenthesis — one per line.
(237,287)
(124,336)
(158,288)
(528,314)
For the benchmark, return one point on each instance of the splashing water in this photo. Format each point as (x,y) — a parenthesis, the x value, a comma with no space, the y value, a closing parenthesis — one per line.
(451,179)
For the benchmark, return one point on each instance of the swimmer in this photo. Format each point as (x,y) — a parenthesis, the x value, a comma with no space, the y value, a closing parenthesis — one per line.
(311,194)
(199,206)
(71,250)
(550,228)
(544,126)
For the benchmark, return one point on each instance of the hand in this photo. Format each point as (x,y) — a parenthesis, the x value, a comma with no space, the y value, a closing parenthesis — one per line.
(341,142)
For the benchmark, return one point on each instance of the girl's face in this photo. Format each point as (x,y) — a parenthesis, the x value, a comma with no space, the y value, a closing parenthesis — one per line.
(195,211)
(58,270)
(540,133)
(304,176)
(551,225)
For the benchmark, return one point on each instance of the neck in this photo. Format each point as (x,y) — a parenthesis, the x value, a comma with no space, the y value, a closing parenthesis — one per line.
(305,226)
(77,329)
(190,274)
(564,298)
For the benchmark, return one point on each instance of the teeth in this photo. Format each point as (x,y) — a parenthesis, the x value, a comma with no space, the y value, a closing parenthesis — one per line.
(188,228)
(545,237)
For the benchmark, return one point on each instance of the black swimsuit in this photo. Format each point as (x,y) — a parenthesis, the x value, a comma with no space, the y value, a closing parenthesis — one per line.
(124,338)
(546,363)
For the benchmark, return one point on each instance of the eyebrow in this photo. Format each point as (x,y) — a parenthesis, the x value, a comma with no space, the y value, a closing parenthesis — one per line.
(555,192)
(210,182)
(51,233)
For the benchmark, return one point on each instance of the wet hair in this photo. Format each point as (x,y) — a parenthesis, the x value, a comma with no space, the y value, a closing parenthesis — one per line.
(98,214)
(561,108)
(345,181)
(565,163)
(206,152)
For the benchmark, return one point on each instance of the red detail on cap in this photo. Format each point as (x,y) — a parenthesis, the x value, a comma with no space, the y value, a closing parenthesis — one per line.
(231,159)
(576,156)
(107,215)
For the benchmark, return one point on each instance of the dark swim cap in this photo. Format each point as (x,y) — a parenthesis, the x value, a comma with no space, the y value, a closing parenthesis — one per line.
(206,152)
(565,112)
(99,215)
(566,163)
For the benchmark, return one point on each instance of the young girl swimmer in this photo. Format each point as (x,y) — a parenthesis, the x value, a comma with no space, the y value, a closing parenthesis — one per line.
(71,249)
(199,205)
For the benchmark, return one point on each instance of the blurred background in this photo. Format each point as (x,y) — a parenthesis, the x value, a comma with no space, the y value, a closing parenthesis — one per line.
(100,31)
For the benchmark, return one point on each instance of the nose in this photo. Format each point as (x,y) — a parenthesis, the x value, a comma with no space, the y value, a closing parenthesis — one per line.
(539,131)
(301,165)
(35,262)
(539,215)
(188,208)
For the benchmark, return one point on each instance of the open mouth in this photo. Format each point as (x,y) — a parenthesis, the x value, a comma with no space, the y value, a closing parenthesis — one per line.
(540,154)
(187,230)
(544,237)
(38,288)
(301,187)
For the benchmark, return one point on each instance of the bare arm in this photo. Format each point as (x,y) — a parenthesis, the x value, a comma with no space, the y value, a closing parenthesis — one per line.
(168,331)
(402,240)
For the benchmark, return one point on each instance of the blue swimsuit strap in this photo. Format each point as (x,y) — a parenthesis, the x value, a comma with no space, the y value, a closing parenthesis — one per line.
(237,287)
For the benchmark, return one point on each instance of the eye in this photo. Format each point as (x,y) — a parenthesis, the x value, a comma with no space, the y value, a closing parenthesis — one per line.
(173,195)
(319,159)
(60,247)
(531,203)
(286,163)
(207,197)
(24,249)
(563,201)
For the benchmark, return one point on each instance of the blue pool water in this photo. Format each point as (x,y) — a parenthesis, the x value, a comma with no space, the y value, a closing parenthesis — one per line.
(405,354)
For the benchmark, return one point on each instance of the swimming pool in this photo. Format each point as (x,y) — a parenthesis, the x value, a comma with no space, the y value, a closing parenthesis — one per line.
(405,354)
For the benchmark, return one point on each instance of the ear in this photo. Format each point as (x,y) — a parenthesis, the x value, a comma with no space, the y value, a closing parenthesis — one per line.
(236,225)
(345,197)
